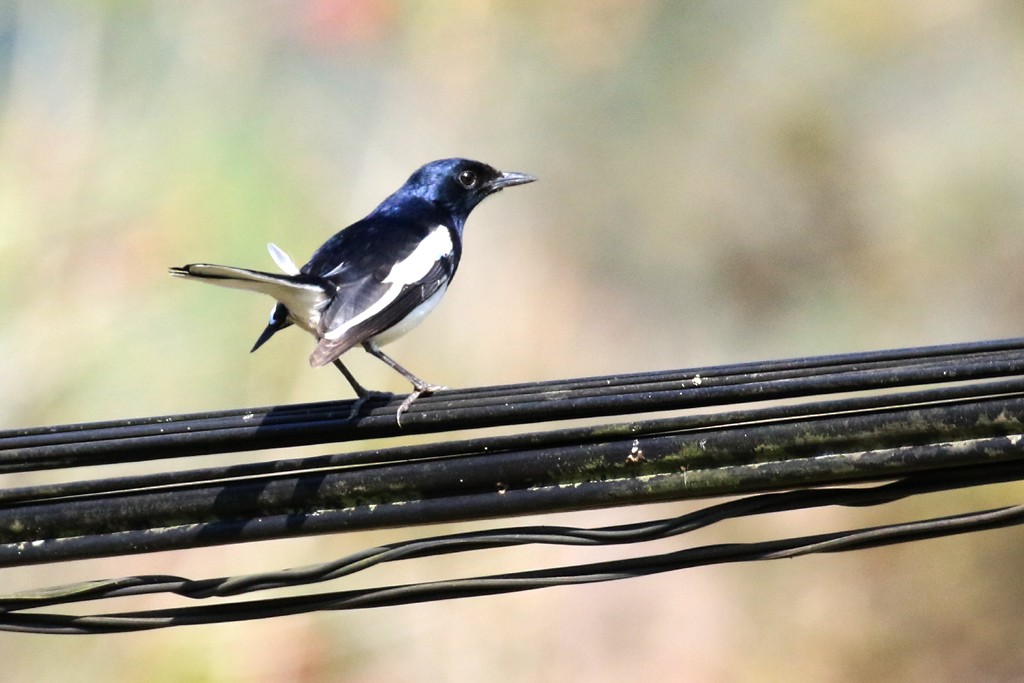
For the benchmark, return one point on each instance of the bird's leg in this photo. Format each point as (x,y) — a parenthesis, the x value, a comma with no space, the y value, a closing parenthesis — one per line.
(420,388)
(362,392)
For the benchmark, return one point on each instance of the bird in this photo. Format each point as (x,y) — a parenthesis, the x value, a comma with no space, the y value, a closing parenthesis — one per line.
(378,278)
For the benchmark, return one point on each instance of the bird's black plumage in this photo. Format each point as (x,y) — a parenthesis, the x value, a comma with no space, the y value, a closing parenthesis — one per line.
(378,277)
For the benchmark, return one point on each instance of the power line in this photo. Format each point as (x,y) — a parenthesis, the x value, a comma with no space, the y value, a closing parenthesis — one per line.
(933,419)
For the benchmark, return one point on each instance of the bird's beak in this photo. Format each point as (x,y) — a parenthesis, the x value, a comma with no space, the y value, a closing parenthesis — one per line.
(509,179)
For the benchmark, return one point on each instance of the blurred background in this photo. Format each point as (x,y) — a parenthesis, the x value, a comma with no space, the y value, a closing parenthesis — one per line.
(719,182)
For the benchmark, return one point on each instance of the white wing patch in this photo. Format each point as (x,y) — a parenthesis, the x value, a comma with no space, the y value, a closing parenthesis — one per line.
(282,259)
(416,265)
(408,271)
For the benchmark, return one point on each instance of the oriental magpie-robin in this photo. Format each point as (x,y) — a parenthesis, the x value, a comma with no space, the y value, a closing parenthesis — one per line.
(379,277)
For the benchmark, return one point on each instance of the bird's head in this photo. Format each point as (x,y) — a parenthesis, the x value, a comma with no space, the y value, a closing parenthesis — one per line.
(458,185)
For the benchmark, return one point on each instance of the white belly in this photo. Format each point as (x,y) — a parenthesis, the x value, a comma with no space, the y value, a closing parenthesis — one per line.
(410,321)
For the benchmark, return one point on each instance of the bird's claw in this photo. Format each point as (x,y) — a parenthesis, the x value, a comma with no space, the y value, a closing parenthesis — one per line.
(360,402)
(418,390)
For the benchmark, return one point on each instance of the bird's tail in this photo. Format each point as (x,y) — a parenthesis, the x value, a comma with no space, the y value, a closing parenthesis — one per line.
(302,295)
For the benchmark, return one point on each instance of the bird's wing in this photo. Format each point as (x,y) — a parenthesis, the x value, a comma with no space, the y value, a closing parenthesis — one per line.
(371,300)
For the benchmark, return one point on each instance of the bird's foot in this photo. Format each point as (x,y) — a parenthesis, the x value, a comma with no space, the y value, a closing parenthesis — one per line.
(423,389)
(360,402)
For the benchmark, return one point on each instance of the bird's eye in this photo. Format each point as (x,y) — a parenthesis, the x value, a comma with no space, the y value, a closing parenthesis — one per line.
(468,179)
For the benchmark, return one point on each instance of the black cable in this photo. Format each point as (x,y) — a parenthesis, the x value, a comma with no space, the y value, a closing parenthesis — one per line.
(235,430)
(509,442)
(13,619)
(934,419)
(485,484)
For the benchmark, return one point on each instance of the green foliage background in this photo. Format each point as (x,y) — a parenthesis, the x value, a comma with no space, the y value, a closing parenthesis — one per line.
(720,181)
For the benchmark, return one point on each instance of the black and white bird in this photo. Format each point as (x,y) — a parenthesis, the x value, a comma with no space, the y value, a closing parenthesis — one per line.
(379,277)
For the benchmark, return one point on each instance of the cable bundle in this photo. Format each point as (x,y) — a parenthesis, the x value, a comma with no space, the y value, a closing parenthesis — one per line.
(931,418)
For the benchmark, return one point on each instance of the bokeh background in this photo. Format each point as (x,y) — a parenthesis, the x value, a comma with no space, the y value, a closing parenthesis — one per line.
(720,181)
